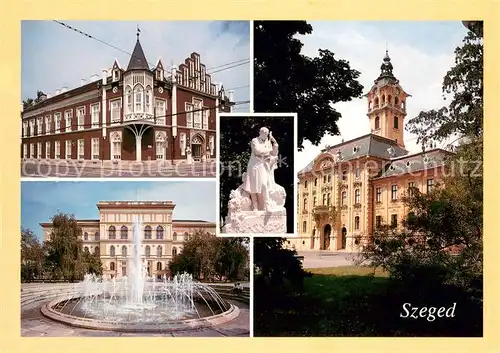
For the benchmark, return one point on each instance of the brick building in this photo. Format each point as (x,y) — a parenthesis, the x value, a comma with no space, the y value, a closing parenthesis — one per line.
(135,113)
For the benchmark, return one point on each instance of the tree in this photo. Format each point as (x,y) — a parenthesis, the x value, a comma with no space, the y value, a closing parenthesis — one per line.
(235,135)
(287,81)
(464,82)
(32,255)
(30,101)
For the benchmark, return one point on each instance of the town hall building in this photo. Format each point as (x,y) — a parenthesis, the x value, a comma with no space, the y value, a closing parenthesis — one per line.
(133,113)
(111,236)
(351,189)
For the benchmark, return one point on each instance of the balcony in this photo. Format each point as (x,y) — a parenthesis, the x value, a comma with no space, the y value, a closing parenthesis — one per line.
(322,209)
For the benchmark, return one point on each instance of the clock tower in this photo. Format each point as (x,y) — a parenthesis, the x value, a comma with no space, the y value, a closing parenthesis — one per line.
(387,104)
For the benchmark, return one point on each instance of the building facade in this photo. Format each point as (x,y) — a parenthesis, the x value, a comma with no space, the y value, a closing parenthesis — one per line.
(135,113)
(350,189)
(111,236)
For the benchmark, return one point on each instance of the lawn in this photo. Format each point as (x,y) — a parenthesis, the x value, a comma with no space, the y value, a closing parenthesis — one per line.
(348,301)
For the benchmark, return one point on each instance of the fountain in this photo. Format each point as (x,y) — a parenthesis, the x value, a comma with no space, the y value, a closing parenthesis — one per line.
(140,302)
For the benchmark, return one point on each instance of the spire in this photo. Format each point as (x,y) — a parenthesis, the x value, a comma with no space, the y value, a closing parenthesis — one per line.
(138,59)
(386,67)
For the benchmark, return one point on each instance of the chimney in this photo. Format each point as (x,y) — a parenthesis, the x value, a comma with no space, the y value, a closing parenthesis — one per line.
(64,89)
(104,76)
(174,73)
(49,95)
(94,77)
(231,96)
(83,82)
(43,97)
(58,92)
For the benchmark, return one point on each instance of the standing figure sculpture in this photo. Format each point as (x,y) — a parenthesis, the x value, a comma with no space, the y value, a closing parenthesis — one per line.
(260,170)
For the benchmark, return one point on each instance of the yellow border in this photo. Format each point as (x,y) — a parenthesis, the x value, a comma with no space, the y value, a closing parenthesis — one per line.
(14,11)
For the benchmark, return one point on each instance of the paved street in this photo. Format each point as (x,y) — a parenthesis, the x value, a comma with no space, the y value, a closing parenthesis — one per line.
(133,170)
(325,259)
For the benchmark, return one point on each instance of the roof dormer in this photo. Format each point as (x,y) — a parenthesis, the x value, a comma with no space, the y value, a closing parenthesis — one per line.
(116,71)
(159,71)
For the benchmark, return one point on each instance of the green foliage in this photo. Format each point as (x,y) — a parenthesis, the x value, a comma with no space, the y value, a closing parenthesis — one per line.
(235,136)
(211,258)
(287,81)
(30,101)
(32,256)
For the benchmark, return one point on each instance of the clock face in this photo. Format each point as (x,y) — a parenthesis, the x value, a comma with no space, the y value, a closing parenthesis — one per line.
(115,89)
(160,90)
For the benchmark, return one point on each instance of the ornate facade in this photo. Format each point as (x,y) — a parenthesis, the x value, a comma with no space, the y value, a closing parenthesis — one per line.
(350,189)
(112,235)
(132,114)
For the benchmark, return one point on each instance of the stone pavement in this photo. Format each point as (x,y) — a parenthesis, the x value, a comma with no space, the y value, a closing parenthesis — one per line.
(88,169)
(325,259)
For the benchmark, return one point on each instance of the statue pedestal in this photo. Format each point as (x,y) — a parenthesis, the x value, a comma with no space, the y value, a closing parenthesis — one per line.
(256,222)
(189,159)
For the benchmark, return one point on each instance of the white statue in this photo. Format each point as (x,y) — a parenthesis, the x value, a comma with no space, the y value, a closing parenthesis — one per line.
(257,206)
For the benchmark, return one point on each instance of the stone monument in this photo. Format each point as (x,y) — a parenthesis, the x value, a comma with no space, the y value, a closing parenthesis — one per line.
(257,206)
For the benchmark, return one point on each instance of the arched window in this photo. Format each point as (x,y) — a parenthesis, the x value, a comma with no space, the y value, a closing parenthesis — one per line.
(396,122)
(147,232)
(174,236)
(124,250)
(389,99)
(344,198)
(112,250)
(159,251)
(174,252)
(383,99)
(159,266)
(159,232)
(305,203)
(396,101)
(112,266)
(112,232)
(96,236)
(377,123)
(357,196)
(138,99)
(96,250)
(129,99)
(85,236)
(86,249)
(403,105)
(356,223)
(186,236)
(147,100)
(124,232)
(376,102)
(148,251)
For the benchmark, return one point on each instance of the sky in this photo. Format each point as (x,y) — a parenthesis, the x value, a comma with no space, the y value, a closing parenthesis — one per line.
(40,200)
(421,53)
(54,56)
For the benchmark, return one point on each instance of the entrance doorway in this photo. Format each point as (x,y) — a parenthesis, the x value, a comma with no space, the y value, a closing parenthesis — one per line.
(196,148)
(344,237)
(326,237)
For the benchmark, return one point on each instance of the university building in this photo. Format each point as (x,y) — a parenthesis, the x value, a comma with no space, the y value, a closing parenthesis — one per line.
(135,113)
(111,236)
(350,189)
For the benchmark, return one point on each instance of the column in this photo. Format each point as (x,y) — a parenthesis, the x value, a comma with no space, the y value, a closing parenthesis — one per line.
(138,148)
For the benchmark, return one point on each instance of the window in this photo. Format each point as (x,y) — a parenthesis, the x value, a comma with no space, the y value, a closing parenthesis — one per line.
(394,220)
(80,114)
(47,124)
(430,185)
(129,100)
(68,114)
(357,196)
(160,112)
(324,199)
(25,128)
(377,123)
(147,100)
(357,172)
(115,111)
(112,233)
(32,150)
(174,236)
(147,232)
(304,227)
(344,175)
(305,184)
(147,251)
(329,177)
(324,179)
(81,149)
(68,149)
(124,268)
(378,222)
(96,236)
(206,115)
(159,74)
(112,251)
(411,185)
(315,201)
(39,150)
(328,199)
(159,232)
(85,236)
(197,113)
(39,123)
(378,192)
(305,203)
(47,150)
(174,252)
(112,266)
(344,198)
(95,148)
(396,122)
(124,250)
(138,93)
(394,193)
(124,232)
(57,122)
(57,148)
(316,182)
(189,115)
(32,127)
(159,251)
(25,151)
(159,266)
(356,223)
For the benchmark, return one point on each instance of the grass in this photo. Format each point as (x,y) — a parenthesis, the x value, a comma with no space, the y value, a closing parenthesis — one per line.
(348,271)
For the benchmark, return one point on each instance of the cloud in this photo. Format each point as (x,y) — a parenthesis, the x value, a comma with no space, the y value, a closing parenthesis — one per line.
(420,69)
(54,56)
